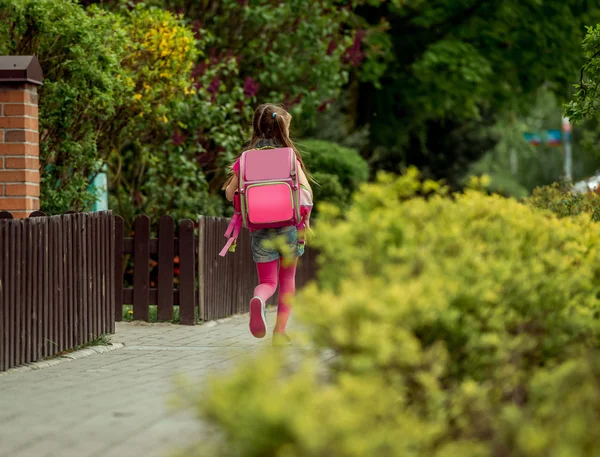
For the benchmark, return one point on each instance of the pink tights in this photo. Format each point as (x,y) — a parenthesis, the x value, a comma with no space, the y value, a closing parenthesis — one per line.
(268,274)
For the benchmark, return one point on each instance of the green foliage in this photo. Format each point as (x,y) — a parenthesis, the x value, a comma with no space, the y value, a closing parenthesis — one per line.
(301,66)
(155,155)
(338,170)
(243,58)
(113,82)
(457,67)
(80,93)
(560,199)
(516,166)
(583,105)
(167,182)
(460,325)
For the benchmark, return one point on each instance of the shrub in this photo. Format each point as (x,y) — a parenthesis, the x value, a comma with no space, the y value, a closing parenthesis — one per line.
(453,320)
(79,96)
(338,170)
(112,80)
(560,199)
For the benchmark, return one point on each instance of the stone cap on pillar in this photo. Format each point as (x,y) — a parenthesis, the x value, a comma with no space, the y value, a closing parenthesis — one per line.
(20,70)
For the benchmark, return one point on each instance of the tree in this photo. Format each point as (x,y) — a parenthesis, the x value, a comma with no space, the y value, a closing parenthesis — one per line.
(292,53)
(80,94)
(112,81)
(457,66)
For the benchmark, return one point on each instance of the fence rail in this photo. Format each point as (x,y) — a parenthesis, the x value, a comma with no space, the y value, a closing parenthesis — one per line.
(56,283)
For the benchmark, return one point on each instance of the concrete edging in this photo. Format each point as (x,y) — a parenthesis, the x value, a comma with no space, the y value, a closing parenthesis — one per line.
(93,350)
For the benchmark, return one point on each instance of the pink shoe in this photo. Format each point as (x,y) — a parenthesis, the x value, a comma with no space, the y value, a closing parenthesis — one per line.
(258,317)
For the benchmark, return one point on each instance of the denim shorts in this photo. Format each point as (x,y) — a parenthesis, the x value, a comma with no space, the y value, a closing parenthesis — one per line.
(263,254)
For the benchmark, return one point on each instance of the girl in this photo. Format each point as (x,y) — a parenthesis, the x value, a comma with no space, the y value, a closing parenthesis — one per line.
(271,128)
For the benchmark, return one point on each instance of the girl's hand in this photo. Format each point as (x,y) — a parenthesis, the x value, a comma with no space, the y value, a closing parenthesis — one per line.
(232,188)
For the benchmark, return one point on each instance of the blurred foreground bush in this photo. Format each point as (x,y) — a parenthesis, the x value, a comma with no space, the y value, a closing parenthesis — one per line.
(463,325)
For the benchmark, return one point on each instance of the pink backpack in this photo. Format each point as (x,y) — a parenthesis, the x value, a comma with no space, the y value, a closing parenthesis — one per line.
(269,193)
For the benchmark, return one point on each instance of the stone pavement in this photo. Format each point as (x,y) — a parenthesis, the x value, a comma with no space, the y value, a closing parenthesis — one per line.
(114,404)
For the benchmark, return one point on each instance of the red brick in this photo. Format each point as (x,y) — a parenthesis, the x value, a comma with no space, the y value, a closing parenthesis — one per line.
(22,190)
(20,149)
(18,95)
(19,203)
(21,136)
(1,163)
(24,163)
(18,123)
(1,190)
(20,176)
(1,136)
(19,109)
(14,96)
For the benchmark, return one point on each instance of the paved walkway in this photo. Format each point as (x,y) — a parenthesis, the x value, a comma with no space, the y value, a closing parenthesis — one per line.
(115,404)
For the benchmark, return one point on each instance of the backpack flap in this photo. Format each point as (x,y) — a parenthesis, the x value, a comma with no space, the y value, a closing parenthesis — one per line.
(269,188)
(270,203)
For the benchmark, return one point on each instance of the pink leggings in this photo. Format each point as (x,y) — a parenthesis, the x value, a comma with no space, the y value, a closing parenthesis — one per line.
(268,274)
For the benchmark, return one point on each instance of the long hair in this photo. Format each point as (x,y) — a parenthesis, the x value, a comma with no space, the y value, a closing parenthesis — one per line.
(271,123)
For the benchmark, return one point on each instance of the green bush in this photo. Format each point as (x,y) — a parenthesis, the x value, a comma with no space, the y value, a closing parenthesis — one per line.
(338,170)
(113,82)
(560,199)
(459,324)
(80,92)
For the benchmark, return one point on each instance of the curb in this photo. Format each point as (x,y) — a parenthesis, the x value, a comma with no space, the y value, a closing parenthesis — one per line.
(64,358)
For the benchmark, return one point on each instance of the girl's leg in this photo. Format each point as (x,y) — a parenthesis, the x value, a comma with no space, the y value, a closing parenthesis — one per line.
(267,278)
(287,288)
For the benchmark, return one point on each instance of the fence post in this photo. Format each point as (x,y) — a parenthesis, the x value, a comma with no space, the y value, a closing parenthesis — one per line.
(141,272)
(166,253)
(201,268)
(118,269)
(19,134)
(187,277)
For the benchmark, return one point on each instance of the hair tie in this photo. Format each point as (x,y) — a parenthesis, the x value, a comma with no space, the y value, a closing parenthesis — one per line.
(274,115)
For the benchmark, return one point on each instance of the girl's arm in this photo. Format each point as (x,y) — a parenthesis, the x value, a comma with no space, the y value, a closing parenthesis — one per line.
(304,180)
(232,188)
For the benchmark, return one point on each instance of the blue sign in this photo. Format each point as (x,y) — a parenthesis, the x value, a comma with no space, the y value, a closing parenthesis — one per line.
(533,138)
(551,137)
(554,137)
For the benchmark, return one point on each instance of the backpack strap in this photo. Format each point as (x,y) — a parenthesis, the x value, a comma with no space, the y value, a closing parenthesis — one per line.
(233,231)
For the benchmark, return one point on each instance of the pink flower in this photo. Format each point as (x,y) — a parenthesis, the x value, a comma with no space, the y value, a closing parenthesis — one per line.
(198,71)
(289,102)
(250,87)
(325,104)
(214,88)
(332,46)
(178,137)
(354,54)
(196,28)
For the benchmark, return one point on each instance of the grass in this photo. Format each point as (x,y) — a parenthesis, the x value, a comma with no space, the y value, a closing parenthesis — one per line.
(152,314)
(102,340)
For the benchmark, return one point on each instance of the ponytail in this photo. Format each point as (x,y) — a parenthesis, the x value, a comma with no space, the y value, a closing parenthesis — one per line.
(269,123)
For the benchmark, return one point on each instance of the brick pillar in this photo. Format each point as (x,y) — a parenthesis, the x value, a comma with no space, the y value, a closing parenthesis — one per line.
(19,137)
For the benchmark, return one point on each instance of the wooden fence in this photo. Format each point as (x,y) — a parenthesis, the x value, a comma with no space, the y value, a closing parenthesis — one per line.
(222,286)
(56,284)
(166,247)
(62,278)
